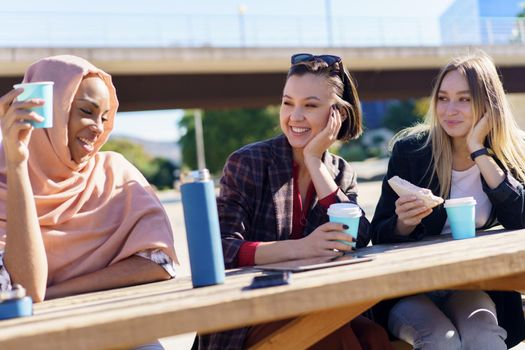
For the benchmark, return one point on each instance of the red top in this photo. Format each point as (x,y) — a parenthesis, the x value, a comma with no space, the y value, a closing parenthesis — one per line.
(246,255)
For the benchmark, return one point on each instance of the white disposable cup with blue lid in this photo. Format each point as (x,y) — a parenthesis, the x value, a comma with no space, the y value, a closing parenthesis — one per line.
(42,90)
(461,214)
(347,214)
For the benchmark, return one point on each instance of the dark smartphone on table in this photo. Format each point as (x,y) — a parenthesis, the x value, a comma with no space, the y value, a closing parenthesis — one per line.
(271,280)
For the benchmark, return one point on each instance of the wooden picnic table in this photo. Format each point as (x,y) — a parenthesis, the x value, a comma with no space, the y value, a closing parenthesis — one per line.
(323,299)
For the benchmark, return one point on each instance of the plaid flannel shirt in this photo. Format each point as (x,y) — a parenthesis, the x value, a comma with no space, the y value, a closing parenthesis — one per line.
(256,204)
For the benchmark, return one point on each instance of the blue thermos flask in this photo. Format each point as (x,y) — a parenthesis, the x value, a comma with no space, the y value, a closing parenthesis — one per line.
(202,229)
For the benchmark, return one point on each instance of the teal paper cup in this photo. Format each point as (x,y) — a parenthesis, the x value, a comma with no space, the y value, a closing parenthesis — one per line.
(42,90)
(461,214)
(347,214)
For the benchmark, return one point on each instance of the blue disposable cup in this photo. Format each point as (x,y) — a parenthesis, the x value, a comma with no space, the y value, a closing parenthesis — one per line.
(16,308)
(42,90)
(461,214)
(348,214)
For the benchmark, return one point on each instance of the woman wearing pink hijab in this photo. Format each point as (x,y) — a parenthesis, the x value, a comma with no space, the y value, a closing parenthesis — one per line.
(73,219)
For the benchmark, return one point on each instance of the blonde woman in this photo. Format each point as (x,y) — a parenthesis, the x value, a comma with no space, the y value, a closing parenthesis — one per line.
(469,145)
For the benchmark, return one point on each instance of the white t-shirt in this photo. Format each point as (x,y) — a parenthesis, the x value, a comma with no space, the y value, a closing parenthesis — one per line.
(467,183)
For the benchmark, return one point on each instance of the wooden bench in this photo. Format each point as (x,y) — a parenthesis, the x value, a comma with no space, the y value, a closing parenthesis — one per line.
(124,318)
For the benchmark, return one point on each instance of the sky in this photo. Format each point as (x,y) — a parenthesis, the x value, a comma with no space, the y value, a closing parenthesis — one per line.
(158,125)
(153,23)
(383,8)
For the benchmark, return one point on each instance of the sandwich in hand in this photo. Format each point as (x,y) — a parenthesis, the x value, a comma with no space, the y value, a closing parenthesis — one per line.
(404,188)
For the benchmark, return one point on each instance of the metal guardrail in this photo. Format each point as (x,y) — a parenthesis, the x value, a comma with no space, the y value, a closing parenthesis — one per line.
(245,30)
(484,30)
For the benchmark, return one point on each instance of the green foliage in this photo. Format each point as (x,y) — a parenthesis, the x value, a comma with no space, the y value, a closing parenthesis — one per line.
(353,151)
(403,114)
(163,177)
(134,153)
(421,106)
(158,171)
(225,131)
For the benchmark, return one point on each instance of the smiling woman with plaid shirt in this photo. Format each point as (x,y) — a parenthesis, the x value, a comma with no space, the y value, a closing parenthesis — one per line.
(275,193)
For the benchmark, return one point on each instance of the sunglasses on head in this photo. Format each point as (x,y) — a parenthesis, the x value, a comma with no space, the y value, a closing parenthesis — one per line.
(307,57)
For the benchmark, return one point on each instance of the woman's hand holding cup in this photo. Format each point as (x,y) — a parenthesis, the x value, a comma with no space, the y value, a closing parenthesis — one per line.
(326,240)
(15,117)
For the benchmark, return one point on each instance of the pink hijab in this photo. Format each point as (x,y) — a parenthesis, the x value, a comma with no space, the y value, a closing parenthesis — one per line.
(92,214)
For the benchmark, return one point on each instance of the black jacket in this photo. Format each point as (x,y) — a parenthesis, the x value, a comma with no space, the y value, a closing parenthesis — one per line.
(411,162)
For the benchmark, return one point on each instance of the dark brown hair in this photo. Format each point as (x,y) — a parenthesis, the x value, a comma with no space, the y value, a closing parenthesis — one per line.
(345,90)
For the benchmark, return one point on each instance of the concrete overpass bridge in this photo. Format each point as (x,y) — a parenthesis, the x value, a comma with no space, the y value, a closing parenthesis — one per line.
(211,77)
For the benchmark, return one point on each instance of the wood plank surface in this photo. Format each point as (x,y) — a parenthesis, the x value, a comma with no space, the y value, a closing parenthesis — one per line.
(305,331)
(135,315)
(513,282)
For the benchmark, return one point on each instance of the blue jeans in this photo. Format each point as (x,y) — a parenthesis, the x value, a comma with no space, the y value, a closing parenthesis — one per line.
(448,320)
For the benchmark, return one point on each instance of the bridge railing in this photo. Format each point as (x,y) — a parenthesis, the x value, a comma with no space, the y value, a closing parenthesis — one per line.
(245,30)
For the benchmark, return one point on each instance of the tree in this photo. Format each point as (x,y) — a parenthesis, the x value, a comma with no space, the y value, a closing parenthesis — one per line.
(421,106)
(521,14)
(134,153)
(403,114)
(225,131)
(158,171)
(164,176)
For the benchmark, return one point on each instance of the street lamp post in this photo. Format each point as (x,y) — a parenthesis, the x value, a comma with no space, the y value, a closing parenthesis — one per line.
(329,29)
(242,33)
(199,140)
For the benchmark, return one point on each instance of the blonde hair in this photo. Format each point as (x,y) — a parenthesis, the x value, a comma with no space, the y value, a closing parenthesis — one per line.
(487,98)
